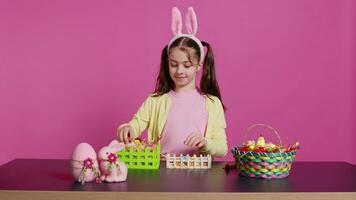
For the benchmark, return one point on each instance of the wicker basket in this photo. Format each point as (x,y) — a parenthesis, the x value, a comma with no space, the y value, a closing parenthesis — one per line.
(148,158)
(263,165)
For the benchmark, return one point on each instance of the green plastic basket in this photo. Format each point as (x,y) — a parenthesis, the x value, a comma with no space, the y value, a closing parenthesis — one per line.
(141,159)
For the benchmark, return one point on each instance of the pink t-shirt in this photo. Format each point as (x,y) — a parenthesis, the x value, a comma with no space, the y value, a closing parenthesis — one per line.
(187,114)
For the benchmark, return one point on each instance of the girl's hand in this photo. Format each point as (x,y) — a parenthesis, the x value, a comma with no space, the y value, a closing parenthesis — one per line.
(195,140)
(125,134)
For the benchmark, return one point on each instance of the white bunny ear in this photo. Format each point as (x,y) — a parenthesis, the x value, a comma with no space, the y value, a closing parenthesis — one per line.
(117,147)
(191,21)
(176,21)
(114,142)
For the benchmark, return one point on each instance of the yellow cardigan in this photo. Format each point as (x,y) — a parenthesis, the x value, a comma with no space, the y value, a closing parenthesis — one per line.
(153,115)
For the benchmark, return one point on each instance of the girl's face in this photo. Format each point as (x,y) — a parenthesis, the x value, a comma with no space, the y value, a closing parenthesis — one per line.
(181,69)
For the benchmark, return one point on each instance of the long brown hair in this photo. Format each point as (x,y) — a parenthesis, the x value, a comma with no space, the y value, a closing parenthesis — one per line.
(208,82)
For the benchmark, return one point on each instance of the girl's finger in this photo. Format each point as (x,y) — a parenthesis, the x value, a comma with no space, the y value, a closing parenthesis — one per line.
(193,140)
(126,131)
(190,139)
(201,144)
(198,141)
(187,140)
(128,139)
(129,135)
(121,132)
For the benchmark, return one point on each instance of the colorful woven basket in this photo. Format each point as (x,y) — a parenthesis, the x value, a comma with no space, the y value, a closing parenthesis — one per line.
(263,165)
(141,158)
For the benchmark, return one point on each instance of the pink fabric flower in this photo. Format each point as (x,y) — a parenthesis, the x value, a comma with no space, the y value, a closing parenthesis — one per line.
(88,163)
(112,158)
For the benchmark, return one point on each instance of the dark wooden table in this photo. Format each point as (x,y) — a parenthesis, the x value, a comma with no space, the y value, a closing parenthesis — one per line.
(46,179)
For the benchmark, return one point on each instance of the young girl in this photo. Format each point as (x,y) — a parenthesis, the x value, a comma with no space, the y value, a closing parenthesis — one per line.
(185,119)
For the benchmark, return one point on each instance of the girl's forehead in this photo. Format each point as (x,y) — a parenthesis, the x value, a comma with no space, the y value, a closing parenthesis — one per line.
(182,55)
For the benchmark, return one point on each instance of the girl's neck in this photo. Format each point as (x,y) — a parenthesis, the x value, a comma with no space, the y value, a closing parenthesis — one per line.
(185,89)
(185,94)
(189,87)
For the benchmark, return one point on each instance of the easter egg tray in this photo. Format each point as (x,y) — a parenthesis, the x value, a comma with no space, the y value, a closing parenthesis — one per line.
(188,162)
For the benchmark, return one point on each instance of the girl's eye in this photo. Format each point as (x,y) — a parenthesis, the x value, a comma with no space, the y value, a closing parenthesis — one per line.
(173,64)
(187,65)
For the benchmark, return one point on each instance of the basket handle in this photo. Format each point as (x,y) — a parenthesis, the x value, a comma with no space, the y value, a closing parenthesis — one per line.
(248,131)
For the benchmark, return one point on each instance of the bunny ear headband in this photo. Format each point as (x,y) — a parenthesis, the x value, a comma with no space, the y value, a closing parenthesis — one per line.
(191,24)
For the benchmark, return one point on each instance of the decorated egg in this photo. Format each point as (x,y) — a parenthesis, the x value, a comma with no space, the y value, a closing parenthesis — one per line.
(260,141)
(270,147)
(249,146)
(137,141)
(84,164)
(131,145)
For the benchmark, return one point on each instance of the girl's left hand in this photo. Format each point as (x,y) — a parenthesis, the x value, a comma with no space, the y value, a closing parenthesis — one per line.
(195,140)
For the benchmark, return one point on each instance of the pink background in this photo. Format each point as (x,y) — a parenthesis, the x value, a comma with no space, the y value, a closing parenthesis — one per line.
(72,71)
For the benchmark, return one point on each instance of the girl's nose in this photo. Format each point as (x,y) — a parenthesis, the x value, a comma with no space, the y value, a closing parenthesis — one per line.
(180,69)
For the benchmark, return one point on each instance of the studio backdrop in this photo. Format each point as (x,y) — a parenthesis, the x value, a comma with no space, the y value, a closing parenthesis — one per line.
(71,71)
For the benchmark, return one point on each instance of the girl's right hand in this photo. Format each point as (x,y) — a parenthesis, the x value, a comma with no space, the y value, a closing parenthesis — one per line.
(125,134)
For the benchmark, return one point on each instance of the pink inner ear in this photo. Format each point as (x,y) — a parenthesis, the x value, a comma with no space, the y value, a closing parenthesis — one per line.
(176,21)
(191,22)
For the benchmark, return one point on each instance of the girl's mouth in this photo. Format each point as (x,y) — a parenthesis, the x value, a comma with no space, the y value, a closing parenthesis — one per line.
(180,78)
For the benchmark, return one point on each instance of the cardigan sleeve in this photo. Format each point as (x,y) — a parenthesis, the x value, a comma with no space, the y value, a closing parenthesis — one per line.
(140,120)
(217,141)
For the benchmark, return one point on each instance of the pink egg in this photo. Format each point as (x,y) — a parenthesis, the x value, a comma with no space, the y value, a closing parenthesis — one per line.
(84,151)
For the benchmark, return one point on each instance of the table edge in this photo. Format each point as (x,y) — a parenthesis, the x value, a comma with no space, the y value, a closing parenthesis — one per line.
(90,195)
